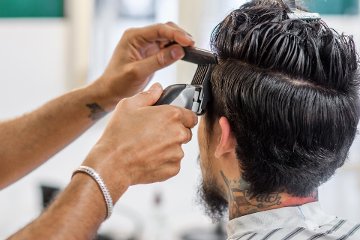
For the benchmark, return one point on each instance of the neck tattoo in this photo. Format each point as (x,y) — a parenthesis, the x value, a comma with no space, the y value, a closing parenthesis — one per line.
(241,202)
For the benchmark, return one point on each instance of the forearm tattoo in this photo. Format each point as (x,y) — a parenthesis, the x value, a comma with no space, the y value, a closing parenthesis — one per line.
(96,111)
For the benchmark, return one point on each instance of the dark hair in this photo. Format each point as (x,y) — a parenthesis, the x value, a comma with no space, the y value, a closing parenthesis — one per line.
(289,90)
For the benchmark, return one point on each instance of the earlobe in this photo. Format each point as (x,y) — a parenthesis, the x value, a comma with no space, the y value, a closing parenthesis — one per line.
(227,140)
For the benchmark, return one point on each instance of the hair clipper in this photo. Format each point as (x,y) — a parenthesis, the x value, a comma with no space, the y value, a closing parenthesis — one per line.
(196,95)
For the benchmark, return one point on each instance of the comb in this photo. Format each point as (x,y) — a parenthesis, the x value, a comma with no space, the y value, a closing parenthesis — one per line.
(199,56)
(205,61)
(201,72)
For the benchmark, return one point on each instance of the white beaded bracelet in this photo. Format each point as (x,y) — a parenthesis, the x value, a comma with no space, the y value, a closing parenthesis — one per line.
(106,194)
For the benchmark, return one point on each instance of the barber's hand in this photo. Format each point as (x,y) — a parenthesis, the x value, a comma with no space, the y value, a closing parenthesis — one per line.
(142,143)
(140,52)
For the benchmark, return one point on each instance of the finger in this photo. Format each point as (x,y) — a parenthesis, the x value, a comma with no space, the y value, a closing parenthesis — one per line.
(189,135)
(162,59)
(147,98)
(164,44)
(172,24)
(184,135)
(167,171)
(188,118)
(165,31)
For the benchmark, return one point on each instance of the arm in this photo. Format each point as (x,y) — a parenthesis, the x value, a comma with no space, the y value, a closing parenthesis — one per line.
(28,141)
(78,212)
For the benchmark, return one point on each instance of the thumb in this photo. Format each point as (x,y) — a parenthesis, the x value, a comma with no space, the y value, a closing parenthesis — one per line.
(147,98)
(161,59)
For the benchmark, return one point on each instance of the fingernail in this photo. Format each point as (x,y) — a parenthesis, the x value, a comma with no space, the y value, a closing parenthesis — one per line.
(177,52)
(155,87)
(189,36)
(196,119)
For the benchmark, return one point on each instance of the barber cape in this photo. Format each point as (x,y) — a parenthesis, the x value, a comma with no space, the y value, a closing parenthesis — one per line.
(296,223)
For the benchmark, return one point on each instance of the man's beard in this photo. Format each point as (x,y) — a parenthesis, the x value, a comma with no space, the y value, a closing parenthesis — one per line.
(209,196)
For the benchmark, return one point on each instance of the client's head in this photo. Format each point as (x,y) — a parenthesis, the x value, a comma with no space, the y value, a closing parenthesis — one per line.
(284,109)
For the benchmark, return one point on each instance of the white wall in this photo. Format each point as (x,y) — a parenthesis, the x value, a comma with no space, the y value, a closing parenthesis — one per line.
(33,56)
(341,195)
(32,63)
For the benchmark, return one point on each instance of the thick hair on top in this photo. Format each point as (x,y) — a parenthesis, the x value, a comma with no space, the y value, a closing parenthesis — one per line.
(289,90)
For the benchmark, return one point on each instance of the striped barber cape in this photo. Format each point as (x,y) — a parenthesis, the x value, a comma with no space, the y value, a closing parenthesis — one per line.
(306,222)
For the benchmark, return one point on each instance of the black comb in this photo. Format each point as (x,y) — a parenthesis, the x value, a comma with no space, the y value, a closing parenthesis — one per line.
(199,56)
(199,74)
(204,59)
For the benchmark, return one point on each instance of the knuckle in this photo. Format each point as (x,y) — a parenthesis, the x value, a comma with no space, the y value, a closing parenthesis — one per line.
(159,28)
(174,170)
(160,58)
(188,113)
(179,154)
(176,114)
(129,31)
(122,104)
(166,176)
(161,175)
(159,25)
(184,136)
(170,23)
(189,136)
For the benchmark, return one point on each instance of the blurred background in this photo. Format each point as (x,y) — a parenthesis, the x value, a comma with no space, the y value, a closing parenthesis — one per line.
(48,47)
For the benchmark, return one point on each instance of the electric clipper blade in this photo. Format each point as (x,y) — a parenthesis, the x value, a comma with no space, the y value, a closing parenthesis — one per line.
(196,95)
(206,62)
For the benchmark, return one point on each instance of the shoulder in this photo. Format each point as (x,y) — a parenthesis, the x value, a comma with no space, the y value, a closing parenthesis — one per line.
(338,229)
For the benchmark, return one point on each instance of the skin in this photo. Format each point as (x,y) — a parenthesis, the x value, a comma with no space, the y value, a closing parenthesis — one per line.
(218,161)
(125,155)
(79,211)
(40,134)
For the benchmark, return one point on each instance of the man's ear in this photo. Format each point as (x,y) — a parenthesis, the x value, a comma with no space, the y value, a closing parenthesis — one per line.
(227,140)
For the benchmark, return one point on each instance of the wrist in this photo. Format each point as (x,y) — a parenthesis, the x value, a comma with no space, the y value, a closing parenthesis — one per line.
(87,191)
(103,95)
(113,175)
(101,186)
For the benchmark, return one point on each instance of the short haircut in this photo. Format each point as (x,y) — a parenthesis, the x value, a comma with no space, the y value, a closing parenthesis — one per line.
(289,90)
